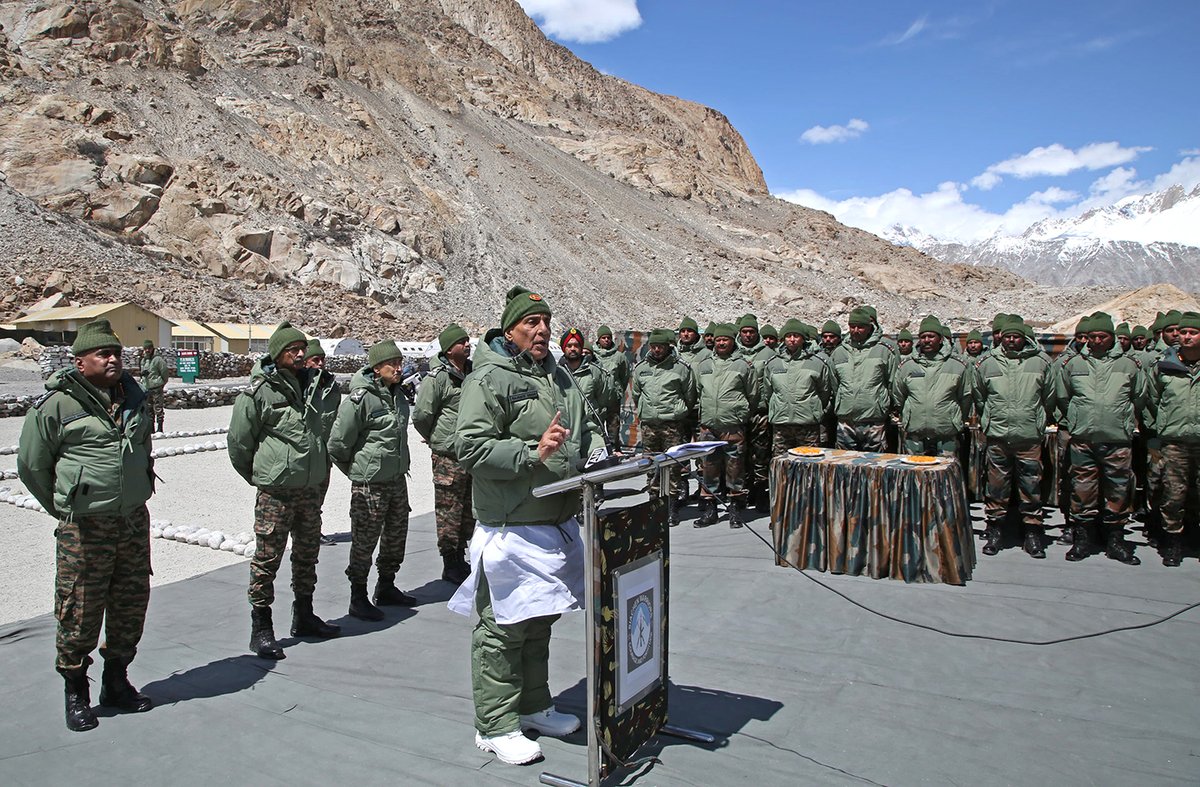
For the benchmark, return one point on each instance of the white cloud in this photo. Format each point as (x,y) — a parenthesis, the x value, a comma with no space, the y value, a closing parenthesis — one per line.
(1057,160)
(1052,196)
(909,34)
(1190,152)
(821,135)
(1185,173)
(584,21)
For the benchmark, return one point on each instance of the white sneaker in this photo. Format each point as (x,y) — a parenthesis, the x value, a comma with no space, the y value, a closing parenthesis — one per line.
(550,722)
(512,748)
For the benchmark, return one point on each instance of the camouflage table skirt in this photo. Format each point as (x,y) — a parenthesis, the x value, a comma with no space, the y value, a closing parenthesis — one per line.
(872,514)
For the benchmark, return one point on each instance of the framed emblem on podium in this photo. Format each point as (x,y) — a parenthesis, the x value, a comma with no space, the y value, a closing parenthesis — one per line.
(639,604)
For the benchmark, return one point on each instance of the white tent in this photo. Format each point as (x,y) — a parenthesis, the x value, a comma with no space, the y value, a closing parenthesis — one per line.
(342,347)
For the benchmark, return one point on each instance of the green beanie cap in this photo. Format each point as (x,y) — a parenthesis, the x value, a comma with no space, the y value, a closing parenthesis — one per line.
(284,335)
(725,329)
(383,351)
(662,336)
(1140,330)
(1084,325)
(975,335)
(1157,325)
(831,326)
(711,329)
(1013,324)
(1123,330)
(905,335)
(768,330)
(930,323)
(861,316)
(314,350)
(519,303)
(688,322)
(999,320)
(1172,318)
(603,330)
(1189,320)
(572,333)
(93,336)
(794,326)
(747,321)
(451,335)
(147,343)
(1102,321)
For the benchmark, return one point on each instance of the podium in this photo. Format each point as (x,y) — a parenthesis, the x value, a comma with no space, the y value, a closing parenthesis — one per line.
(626,601)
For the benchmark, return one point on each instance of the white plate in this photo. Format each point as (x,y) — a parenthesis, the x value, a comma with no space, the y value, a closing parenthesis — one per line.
(806,454)
(908,460)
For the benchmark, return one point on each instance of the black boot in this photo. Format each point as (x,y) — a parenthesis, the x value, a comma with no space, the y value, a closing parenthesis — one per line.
(683,495)
(454,568)
(388,595)
(1119,549)
(117,692)
(1172,553)
(1068,535)
(673,511)
(262,635)
(1033,542)
(80,717)
(736,506)
(1081,544)
(708,513)
(762,500)
(361,606)
(993,538)
(307,624)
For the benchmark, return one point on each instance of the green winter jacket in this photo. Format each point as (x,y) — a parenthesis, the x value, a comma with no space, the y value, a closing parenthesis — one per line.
(153,372)
(369,442)
(758,356)
(1101,396)
(1014,394)
(690,352)
(727,391)
(599,387)
(664,392)
(933,393)
(1175,399)
(326,398)
(76,460)
(797,389)
(616,363)
(436,409)
(863,380)
(276,433)
(507,403)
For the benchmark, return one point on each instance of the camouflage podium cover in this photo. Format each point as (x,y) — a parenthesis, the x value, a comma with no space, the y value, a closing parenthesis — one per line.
(876,515)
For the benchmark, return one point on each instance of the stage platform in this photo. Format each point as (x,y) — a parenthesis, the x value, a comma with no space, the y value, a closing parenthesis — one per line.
(798,686)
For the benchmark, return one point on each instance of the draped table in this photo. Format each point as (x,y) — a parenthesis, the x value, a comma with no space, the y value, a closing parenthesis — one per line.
(849,512)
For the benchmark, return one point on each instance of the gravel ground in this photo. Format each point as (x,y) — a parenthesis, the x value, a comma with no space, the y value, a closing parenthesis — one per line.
(197,489)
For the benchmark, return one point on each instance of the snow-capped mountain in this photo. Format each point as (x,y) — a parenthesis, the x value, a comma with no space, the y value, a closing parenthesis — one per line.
(1140,240)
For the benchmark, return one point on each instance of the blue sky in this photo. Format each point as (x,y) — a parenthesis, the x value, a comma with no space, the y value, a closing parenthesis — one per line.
(958,118)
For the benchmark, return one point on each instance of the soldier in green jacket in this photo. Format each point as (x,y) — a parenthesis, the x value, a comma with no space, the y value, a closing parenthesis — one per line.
(932,389)
(1101,393)
(863,371)
(153,373)
(522,423)
(614,361)
(689,339)
(797,386)
(664,396)
(904,343)
(327,399)
(769,336)
(435,414)
(758,429)
(831,337)
(84,455)
(974,343)
(276,444)
(369,443)
(727,388)
(1014,394)
(709,337)
(1175,405)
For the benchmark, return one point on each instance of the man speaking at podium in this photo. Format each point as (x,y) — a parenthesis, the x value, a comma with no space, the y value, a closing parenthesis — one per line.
(521,424)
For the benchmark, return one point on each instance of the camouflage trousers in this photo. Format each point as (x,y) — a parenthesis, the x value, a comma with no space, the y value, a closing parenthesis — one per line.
(785,436)
(102,574)
(931,445)
(1011,464)
(378,515)
(154,396)
(1180,477)
(657,438)
(861,437)
(758,450)
(613,425)
(452,505)
(728,463)
(1101,482)
(279,512)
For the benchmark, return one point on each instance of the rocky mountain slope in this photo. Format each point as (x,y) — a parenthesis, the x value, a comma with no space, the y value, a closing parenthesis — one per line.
(379,168)
(1138,241)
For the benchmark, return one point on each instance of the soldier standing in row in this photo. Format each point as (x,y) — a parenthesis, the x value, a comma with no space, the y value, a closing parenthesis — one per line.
(1175,402)
(664,394)
(831,337)
(434,416)
(904,343)
(758,428)
(689,339)
(369,444)
(727,392)
(616,363)
(84,455)
(153,373)
(974,343)
(863,371)
(933,391)
(275,444)
(797,386)
(326,397)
